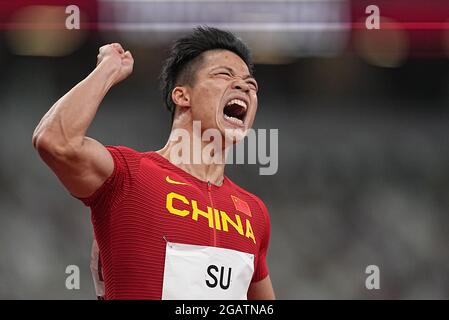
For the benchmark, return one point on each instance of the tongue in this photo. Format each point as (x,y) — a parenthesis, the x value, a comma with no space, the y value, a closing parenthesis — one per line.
(234,110)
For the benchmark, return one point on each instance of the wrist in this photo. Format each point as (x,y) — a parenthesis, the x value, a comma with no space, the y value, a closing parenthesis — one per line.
(109,72)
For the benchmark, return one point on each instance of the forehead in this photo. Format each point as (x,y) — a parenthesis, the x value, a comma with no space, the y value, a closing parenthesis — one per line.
(224,58)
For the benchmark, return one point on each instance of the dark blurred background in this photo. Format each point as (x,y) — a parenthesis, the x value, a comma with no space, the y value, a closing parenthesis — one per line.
(363,137)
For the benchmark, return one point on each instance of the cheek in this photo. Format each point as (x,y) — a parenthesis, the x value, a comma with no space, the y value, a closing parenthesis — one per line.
(207,91)
(201,99)
(205,103)
(255,104)
(211,97)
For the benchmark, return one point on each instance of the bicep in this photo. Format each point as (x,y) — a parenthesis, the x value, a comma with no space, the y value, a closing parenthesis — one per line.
(84,171)
(261,290)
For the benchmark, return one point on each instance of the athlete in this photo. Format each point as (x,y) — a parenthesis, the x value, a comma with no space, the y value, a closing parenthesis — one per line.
(168,229)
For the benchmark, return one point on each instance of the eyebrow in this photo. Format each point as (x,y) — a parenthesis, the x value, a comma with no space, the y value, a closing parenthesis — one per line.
(248,76)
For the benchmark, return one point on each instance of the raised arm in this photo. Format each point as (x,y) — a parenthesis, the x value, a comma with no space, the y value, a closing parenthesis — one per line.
(81,163)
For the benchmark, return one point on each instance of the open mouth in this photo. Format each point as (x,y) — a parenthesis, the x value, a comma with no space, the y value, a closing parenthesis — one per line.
(235,111)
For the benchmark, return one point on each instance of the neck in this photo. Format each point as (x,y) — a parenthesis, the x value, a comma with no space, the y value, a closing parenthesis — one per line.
(186,150)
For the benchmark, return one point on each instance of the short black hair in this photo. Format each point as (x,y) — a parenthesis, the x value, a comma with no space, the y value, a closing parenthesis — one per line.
(180,66)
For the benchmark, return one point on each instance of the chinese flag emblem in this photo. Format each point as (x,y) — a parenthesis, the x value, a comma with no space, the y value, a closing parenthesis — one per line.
(241,206)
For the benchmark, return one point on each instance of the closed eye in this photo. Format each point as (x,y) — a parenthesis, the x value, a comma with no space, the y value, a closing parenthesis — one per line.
(253,85)
(225,73)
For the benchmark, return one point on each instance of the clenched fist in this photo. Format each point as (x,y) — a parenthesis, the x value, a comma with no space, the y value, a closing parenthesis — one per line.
(120,60)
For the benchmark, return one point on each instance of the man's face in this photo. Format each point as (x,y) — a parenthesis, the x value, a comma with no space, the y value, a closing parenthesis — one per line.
(224,94)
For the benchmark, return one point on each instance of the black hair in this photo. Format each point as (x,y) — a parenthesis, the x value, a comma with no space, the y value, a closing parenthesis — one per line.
(185,55)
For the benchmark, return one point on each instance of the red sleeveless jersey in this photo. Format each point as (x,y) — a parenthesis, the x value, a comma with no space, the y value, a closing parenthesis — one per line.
(148,201)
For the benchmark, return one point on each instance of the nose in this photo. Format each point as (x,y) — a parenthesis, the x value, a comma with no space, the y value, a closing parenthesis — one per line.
(240,84)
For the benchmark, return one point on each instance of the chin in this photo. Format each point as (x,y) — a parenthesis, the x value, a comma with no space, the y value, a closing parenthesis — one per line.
(232,134)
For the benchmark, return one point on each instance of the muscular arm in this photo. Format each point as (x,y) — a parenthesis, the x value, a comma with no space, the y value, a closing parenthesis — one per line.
(261,290)
(81,163)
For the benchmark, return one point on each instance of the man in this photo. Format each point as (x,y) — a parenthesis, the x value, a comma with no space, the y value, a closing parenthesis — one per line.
(168,229)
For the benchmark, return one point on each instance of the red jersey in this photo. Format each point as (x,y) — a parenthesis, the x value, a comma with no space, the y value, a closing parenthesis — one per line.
(148,203)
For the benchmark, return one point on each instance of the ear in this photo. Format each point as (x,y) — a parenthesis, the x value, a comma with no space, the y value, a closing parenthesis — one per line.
(181,97)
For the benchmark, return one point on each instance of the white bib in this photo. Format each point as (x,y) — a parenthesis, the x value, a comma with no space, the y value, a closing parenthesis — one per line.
(206,273)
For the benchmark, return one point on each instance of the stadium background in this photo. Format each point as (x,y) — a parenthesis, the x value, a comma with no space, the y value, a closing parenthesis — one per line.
(363,126)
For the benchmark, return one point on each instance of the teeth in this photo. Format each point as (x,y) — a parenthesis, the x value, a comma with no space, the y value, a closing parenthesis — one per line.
(239,102)
(234,120)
